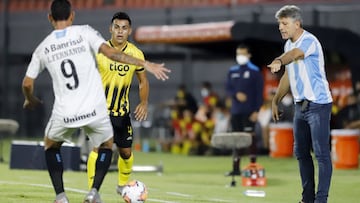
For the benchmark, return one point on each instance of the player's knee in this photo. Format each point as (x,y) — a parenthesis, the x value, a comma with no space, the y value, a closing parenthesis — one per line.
(107,144)
(125,154)
(48,143)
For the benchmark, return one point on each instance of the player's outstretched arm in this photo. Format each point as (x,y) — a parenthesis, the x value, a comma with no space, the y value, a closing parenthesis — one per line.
(286,58)
(159,70)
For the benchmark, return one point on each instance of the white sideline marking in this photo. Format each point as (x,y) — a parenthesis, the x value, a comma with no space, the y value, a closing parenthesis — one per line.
(44,185)
(72,189)
(159,201)
(219,200)
(187,195)
(178,194)
(85,191)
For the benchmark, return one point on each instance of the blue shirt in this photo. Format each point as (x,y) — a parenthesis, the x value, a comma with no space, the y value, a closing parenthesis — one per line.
(307,76)
(248,80)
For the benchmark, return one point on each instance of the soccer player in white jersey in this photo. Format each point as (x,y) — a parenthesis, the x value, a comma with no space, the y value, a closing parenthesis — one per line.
(68,53)
(305,76)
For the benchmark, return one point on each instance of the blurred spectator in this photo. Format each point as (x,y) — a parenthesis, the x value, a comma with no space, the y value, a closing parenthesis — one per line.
(356,123)
(208,95)
(204,141)
(185,100)
(348,114)
(286,107)
(193,126)
(183,108)
(244,86)
(213,116)
(209,101)
(187,134)
(353,125)
(221,117)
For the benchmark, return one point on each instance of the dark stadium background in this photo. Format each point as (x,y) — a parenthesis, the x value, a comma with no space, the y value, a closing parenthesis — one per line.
(23,25)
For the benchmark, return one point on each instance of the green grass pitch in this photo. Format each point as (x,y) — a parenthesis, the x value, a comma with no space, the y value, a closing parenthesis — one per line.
(184,179)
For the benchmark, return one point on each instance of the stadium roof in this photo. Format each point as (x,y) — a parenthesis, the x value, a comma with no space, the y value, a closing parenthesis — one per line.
(224,36)
(186,33)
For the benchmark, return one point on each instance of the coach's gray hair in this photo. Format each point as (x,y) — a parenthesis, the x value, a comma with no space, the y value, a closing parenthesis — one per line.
(289,11)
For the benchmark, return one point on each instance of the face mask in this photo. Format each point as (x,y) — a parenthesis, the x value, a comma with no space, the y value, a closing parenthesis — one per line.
(204,92)
(242,59)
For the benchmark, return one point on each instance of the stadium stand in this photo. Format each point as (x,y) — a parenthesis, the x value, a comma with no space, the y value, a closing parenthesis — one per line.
(28,5)
(36,5)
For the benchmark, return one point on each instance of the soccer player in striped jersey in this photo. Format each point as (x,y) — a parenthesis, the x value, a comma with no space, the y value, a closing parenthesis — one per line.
(68,55)
(116,79)
(305,76)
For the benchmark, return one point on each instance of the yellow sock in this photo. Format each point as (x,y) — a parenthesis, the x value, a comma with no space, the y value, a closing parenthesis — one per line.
(125,168)
(91,163)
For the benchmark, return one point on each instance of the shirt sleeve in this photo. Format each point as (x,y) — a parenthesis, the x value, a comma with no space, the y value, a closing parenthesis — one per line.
(228,86)
(35,66)
(140,55)
(94,37)
(308,46)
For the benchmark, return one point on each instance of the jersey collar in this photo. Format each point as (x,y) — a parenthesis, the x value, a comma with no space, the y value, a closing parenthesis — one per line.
(112,45)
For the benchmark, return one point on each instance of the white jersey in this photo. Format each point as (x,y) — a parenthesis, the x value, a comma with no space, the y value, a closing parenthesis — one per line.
(69,57)
(307,76)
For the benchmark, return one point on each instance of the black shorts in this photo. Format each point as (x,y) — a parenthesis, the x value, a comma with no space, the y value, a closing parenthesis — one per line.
(123,132)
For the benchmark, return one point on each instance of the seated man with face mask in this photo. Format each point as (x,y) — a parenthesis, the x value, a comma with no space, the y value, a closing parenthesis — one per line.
(244,88)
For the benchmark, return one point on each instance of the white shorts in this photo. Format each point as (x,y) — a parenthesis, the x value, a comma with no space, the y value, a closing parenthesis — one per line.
(98,131)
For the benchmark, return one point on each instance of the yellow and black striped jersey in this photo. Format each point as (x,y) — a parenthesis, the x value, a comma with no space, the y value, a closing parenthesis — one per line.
(116,78)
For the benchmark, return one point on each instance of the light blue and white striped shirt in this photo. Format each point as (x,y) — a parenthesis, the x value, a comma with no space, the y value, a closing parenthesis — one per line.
(307,76)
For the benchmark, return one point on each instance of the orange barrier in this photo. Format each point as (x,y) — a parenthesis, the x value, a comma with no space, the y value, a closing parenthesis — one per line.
(281,140)
(345,148)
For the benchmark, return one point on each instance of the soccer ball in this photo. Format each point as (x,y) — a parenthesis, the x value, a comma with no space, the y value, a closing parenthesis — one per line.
(135,192)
